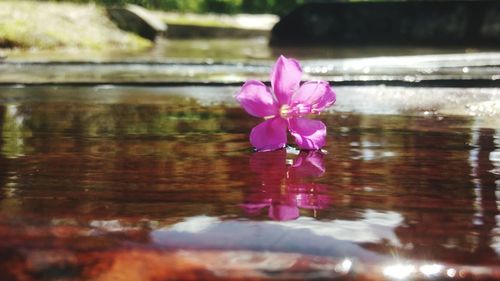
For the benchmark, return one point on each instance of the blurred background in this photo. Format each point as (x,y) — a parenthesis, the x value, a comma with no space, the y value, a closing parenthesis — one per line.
(243,29)
(210,6)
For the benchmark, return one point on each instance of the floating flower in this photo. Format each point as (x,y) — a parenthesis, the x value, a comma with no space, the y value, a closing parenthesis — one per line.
(285,189)
(284,106)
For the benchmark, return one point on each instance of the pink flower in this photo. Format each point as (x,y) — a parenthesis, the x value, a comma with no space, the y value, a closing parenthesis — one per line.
(285,106)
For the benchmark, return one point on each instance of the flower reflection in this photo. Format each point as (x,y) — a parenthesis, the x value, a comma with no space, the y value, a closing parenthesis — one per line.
(284,186)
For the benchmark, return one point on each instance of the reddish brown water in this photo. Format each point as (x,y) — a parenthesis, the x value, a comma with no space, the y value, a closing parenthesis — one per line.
(152,186)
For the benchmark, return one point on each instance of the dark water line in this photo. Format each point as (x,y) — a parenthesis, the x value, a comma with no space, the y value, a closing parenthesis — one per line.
(203,62)
(437,83)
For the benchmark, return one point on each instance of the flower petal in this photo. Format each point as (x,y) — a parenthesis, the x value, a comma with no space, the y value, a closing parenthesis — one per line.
(257,99)
(308,134)
(316,93)
(283,212)
(269,135)
(285,79)
(254,208)
(307,164)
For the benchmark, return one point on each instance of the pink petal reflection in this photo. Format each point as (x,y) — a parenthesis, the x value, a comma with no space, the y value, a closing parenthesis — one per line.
(308,164)
(283,212)
(310,196)
(285,189)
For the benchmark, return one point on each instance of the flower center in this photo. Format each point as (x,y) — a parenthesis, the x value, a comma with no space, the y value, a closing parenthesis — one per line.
(285,111)
(295,110)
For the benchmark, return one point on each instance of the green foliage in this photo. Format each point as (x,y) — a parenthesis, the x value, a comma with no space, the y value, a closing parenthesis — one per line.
(207,6)
(270,6)
(222,6)
(179,5)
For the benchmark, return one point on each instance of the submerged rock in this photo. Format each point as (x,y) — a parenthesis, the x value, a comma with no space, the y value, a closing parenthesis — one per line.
(138,20)
(406,22)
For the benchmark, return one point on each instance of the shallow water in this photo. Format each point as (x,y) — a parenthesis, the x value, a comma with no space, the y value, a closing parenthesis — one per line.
(120,183)
(236,49)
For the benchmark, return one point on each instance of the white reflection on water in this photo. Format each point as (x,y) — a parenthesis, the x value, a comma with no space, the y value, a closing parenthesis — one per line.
(451,272)
(495,159)
(267,265)
(12,132)
(374,227)
(430,270)
(483,102)
(399,271)
(484,160)
(304,235)
(345,266)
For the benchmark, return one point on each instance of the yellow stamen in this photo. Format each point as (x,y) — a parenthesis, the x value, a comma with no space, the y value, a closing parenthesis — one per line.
(284,111)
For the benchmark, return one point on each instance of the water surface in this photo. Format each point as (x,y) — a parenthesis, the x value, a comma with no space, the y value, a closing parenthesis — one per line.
(113,183)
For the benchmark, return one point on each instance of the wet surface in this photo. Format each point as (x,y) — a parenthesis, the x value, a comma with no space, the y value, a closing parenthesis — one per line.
(226,61)
(237,49)
(474,69)
(121,183)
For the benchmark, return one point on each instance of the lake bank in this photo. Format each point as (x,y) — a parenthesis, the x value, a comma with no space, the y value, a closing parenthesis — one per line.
(43,26)
(70,27)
